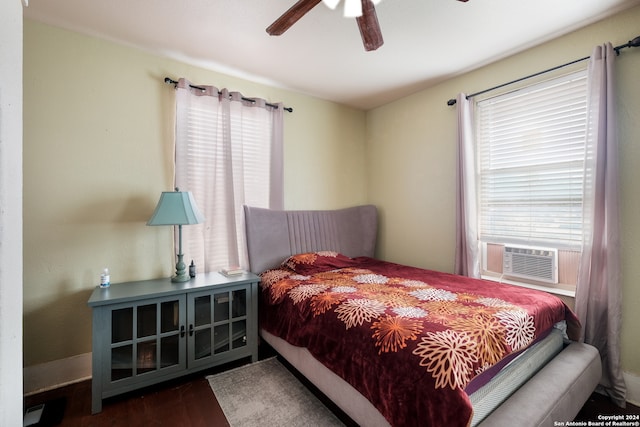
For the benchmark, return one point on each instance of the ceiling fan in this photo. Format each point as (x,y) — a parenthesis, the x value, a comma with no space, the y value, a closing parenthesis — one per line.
(363,10)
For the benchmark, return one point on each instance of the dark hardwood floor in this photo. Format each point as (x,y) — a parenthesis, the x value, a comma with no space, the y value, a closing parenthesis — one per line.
(188,402)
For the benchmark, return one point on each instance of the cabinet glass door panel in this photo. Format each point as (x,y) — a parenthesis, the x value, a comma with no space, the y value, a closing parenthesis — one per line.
(239,303)
(146,320)
(147,357)
(121,362)
(122,325)
(169,351)
(239,333)
(169,316)
(221,338)
(146,338)
(202,344)
(202,310)
(221,307)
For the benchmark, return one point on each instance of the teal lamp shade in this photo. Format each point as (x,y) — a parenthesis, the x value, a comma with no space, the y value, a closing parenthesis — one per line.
(177,208)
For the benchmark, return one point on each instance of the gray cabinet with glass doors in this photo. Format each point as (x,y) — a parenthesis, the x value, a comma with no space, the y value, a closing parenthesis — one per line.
(150,331)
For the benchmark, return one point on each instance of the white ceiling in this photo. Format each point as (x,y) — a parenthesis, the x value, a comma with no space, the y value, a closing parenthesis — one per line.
(425,41)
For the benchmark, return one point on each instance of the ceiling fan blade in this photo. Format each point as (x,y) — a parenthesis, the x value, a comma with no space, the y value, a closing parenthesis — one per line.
(291,16)
(369,26)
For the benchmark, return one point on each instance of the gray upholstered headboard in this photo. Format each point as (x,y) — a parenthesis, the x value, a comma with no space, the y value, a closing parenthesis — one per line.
(274,235)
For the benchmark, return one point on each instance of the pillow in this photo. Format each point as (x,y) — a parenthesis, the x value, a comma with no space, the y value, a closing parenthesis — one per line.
(317,262)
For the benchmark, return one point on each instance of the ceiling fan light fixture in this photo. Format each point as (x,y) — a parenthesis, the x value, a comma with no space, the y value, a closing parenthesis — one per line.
(352,8)
(331,4)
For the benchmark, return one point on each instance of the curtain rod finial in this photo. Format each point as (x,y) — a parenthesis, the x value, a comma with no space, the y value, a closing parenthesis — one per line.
(451,102)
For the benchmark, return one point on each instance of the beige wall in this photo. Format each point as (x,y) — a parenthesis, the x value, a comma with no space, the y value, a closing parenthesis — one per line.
(412,149)
(98,123)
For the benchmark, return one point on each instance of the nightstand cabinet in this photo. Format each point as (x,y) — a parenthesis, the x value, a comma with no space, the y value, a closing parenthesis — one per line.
(149,331)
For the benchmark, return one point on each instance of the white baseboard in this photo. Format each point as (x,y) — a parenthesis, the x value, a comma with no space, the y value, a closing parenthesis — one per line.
(633,387)
(57,373)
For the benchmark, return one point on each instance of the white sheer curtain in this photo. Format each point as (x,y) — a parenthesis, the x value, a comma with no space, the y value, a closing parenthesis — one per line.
(598,293)
(467,260)
(228,154)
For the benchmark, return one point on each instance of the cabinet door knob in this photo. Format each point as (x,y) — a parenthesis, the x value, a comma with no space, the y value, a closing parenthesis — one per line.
(182,331)
(191,330)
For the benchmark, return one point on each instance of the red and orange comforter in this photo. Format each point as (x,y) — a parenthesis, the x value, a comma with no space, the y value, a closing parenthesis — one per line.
(410,340)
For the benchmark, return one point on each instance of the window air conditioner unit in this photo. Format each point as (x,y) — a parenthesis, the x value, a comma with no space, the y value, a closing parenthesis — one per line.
(539,264)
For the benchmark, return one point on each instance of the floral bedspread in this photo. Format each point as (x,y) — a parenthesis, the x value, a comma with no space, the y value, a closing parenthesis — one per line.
(410,340)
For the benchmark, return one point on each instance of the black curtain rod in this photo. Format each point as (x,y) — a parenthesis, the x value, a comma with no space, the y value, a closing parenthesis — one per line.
(169,80)
(632,43)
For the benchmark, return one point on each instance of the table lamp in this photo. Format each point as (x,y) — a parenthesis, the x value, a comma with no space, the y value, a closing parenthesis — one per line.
(177,208)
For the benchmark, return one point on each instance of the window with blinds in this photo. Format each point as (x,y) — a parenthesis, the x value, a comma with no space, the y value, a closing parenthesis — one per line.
(531,150)
(224,156)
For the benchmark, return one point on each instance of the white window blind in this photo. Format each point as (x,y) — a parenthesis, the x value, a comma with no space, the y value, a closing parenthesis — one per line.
(531,150)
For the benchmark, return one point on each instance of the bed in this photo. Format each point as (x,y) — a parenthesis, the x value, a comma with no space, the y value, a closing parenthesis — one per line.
(384,342)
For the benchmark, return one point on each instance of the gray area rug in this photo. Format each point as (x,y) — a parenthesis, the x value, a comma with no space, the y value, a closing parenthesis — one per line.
(265,393)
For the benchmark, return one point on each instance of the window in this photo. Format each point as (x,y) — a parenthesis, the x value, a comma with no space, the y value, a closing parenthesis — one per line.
(228,154)
(530,162)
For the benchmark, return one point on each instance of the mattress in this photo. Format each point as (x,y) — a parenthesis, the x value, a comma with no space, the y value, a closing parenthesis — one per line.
(513,375)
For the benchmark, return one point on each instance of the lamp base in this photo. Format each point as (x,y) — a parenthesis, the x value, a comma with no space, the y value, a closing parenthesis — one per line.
(180,279)
(181,271)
